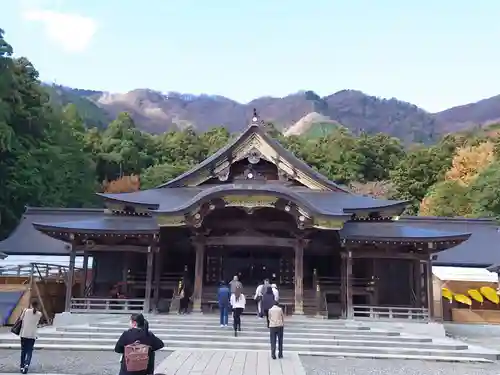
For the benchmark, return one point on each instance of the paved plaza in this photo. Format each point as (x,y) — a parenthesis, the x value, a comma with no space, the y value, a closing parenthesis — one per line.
(223,362)
(184,362)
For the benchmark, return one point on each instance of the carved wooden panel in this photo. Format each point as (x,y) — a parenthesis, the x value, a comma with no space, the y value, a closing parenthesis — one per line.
(213,273)
(286,270)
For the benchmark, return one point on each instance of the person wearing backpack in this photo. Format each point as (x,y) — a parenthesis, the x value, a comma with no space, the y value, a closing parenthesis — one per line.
(138,346)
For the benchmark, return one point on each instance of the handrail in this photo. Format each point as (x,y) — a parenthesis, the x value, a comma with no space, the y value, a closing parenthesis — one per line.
(391,312)
(107,305)
(25,269)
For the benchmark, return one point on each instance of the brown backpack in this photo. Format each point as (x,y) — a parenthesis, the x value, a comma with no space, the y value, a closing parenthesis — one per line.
(136,357)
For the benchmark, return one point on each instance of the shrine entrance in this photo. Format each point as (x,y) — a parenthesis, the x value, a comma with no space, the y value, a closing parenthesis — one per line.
(251,267)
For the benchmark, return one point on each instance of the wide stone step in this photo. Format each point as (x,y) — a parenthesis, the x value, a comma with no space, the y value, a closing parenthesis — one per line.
(356,341)
(369,351)
(460,357)
(202,327)
(250,322)
(254,331)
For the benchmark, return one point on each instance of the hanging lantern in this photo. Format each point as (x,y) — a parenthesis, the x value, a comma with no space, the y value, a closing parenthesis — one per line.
(490,294)
(446,293)
(475,295)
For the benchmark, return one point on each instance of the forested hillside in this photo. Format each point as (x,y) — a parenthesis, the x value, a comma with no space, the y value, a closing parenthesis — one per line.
(51,155)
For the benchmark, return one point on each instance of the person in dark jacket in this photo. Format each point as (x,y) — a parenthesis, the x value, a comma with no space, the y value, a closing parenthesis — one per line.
(223,296)
(138,332)
(267,302)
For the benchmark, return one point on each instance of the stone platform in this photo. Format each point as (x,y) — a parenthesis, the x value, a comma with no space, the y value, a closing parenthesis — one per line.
(222,362)
(304,336)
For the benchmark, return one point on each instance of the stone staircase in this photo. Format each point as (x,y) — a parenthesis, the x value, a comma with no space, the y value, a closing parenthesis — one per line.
(302,335)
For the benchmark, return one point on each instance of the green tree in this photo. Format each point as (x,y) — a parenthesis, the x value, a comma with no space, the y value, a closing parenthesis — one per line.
(420,169)
(484,193)
(161,173)
(446,198)
(44,163)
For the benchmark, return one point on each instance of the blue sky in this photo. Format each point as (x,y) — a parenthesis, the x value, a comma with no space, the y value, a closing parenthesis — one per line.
(435,54)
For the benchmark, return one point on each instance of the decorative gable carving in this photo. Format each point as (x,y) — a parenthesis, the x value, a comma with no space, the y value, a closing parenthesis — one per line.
(254,145)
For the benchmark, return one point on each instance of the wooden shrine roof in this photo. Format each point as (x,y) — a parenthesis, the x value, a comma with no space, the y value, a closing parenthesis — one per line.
(327,203)
(479,250)
(255,130)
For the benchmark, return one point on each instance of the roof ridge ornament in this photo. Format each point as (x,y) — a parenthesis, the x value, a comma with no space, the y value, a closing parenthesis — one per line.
(256,121)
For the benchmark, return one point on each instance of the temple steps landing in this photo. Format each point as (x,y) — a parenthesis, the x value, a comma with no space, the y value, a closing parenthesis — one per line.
(302,335)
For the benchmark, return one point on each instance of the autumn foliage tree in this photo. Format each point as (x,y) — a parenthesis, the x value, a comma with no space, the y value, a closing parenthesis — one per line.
(125,184)
(452,197)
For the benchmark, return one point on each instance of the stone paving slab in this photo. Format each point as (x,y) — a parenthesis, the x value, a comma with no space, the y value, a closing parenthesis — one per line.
(231,362)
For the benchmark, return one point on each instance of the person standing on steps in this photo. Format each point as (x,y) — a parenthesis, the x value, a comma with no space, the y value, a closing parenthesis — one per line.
(238,303)
(276,292)
(267,302)
(235,283)
(30,319)
(223,297)
(259,292)
(185,296)
(138,346)
(276,327)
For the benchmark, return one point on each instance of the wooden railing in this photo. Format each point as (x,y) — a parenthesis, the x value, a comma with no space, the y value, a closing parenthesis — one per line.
(39,270)
(336,281)
(106,305)
(390,313)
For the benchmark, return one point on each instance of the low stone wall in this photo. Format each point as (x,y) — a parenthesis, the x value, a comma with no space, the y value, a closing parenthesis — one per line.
(70,319)
(472,330)
(432,329)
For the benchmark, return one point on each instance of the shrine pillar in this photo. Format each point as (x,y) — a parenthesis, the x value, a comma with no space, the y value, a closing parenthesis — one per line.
(149,279)
(430,289)
(157,277)
(199,246)
(299,277)
(70,277)
(346,285)
(83,285)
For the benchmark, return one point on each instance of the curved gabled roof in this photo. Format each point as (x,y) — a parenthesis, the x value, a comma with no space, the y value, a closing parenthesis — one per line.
(327,203)
(220,156)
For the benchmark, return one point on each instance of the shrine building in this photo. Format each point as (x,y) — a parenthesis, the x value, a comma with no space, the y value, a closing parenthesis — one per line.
(254,210)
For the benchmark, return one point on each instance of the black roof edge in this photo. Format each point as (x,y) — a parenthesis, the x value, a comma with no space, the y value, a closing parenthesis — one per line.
(55,227)
(451,219)
(49,254)
(460,265)
(398,204)
(458,236)
(113,199)
(43,210)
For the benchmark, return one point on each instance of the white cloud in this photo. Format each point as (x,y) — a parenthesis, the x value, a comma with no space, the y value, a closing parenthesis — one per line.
(72,32)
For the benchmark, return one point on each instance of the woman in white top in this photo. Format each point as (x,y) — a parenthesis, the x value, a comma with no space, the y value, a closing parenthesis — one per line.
(30,318)
(238,302)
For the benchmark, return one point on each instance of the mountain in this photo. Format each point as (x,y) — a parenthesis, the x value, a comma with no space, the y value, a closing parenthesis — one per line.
(483,112)
(91,113)
(297,113)
(312,125)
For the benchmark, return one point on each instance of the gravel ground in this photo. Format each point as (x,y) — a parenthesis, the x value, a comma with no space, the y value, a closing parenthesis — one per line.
(353,366)
(68,362)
